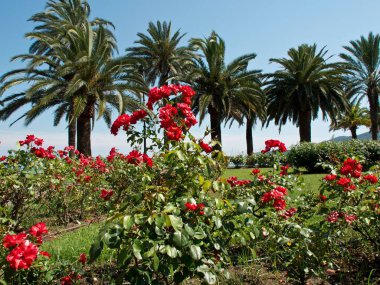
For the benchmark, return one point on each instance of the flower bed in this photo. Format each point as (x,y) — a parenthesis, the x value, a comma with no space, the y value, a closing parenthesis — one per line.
(171,217)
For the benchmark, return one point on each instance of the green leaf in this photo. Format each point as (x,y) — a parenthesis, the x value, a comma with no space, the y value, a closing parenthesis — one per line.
(195,252)
(139,218)
(176,222)
(180,239)
(199,234)
(160,222)
(150,252)
(112,240)
(209,277)
(124,257)
(156,262)
(171,251)
(128,222)
(206,185)
(96,250)
(216,185)
(137,247)
(189,230)
(180,155)
(217,221)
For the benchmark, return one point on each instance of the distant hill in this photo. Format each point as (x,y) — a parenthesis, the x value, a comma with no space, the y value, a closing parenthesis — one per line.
(364,136)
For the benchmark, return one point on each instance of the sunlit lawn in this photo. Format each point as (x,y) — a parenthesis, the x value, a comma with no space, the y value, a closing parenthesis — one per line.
(312,181)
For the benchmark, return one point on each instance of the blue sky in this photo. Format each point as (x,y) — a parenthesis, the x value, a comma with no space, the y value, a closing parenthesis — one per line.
(268,28)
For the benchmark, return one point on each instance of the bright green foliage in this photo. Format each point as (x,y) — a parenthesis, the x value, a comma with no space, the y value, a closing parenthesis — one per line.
(313,156)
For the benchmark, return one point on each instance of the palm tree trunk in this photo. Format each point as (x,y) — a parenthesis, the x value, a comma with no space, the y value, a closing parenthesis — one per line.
(304,121)
(353,132)
(72,131)
(216,131)
(373,99)
(84,129)
(248,135)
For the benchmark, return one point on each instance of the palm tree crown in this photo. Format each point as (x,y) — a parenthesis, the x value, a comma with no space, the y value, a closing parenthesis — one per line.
(363,60)
(305,84)
(223,91)
(160,54)
(73,70)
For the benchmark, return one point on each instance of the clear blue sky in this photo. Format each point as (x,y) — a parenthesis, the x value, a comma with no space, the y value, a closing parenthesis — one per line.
(268,28)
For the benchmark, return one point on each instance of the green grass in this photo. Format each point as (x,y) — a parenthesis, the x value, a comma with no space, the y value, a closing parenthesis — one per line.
(70,245)
(311,181)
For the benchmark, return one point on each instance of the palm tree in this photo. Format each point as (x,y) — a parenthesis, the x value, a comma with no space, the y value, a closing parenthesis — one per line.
(74,71)
(363,60)
(56,22)
(352,118)
(250,112)
(223,90)
(160,54)
(305,84)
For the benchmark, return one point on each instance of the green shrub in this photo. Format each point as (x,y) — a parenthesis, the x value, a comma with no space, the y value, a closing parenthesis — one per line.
(238,160)
(313,156)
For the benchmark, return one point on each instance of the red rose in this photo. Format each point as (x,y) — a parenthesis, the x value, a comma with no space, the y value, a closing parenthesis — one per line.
(22,256)
(191,206)
(344,181)
(45,253)
(83,258)
(371,178)
(38,229)
(207,148)
(106,194)
(330,177)
(323,198)
(13,240)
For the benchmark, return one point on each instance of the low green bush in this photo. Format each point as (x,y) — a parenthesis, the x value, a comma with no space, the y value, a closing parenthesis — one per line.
(238,160)
(313,156)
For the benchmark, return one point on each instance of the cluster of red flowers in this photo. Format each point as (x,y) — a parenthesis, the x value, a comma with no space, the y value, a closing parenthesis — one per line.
(334,216)
(168,114)
(70,279)
(31,139)
(207,148)
(277,196)
(371,178)
(351,167)
(44,153)
(23,252)
(284,170)
(330,177)
(270,144)
(136,158)
(172,130)
(106,194)
(157,93)
(288,213)
(193,207)
(125,121)
(255,171)
(233,181)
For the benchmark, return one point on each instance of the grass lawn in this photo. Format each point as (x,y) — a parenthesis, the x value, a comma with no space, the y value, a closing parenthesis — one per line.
(312,181)
(70,245)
